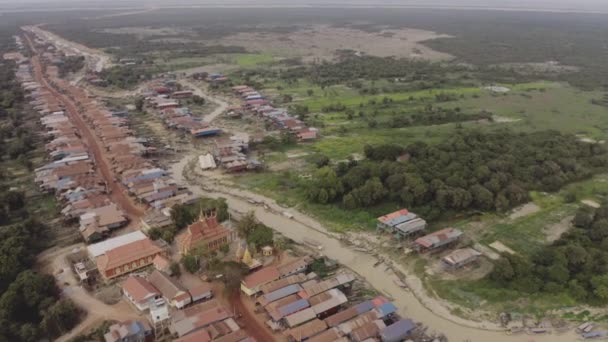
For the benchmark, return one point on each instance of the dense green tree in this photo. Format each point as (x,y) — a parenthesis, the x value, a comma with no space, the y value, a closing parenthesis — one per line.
(190,263)
(261,236)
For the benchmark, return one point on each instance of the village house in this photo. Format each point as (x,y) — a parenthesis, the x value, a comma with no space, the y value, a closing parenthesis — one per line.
(402,222)
(251,284)
(173,292)
(162,264)
(200,292)
(129,331)
(206,231)
(437,239)
(295,266)
(140,292)
(98,222)
(199,317)
(460,257)
(155,219)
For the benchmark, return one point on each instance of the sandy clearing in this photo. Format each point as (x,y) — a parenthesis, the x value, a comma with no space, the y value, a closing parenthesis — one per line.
(486,251)
(499,246)
(591,203)
(96,59)
(321,42)
(555,231)
(524,210)
(503,119)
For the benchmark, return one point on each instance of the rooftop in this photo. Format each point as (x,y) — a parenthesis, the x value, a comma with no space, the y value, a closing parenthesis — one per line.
(261,277)
(139,288)
(127,253)
(95,250)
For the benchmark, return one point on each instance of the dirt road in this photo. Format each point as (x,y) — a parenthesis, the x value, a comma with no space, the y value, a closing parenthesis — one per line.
(250,323)
(416,304)
(221,104)
(96,60)
(117,192)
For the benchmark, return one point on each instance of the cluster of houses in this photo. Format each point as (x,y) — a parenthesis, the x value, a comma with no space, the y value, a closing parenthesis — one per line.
(72,173)
(231,154)
(305,308)
(405,224)
(166,99)
(189,314)
(259,105)
(213,78)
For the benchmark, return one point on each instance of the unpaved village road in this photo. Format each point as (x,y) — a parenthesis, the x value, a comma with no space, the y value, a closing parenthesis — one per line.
(221,104)
(117,193)
(413,304)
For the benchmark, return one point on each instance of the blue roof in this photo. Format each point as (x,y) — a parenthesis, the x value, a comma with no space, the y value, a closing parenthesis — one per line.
(135,327)
(387,309)
(282,293)
(397,331)
(594,334)
(294,307)
(364,307)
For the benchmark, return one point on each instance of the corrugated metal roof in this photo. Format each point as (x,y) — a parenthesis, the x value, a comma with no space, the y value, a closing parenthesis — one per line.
(338,298)
(293,307)
(411,226)
(300,317)
(368,330)
(386,309)
(280,293)
(397,331)
(307,330)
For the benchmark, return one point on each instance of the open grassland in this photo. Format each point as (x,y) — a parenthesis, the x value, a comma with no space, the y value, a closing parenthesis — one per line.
(252,59)
(527,107)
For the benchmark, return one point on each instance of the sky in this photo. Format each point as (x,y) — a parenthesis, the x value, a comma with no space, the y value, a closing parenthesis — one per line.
(557,5)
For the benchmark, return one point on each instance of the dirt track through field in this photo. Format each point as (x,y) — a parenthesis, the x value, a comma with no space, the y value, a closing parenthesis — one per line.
(117,192)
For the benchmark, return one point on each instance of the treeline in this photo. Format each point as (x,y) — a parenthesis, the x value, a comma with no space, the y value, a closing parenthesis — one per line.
(470,171)
(417,73)
(576,264)
(125,77)
(431,115)
(70,64)
(31,308)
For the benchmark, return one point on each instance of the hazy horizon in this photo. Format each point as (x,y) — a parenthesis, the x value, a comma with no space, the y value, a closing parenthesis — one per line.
(541,5)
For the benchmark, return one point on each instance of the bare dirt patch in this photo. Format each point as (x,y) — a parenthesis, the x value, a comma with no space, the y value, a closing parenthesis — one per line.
(499,246)
(591,203)
(474,271)
(503,119)
(524,210)
(322,41)
(555,231)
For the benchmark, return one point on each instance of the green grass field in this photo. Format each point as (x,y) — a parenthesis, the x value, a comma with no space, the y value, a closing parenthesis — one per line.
(252,59)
